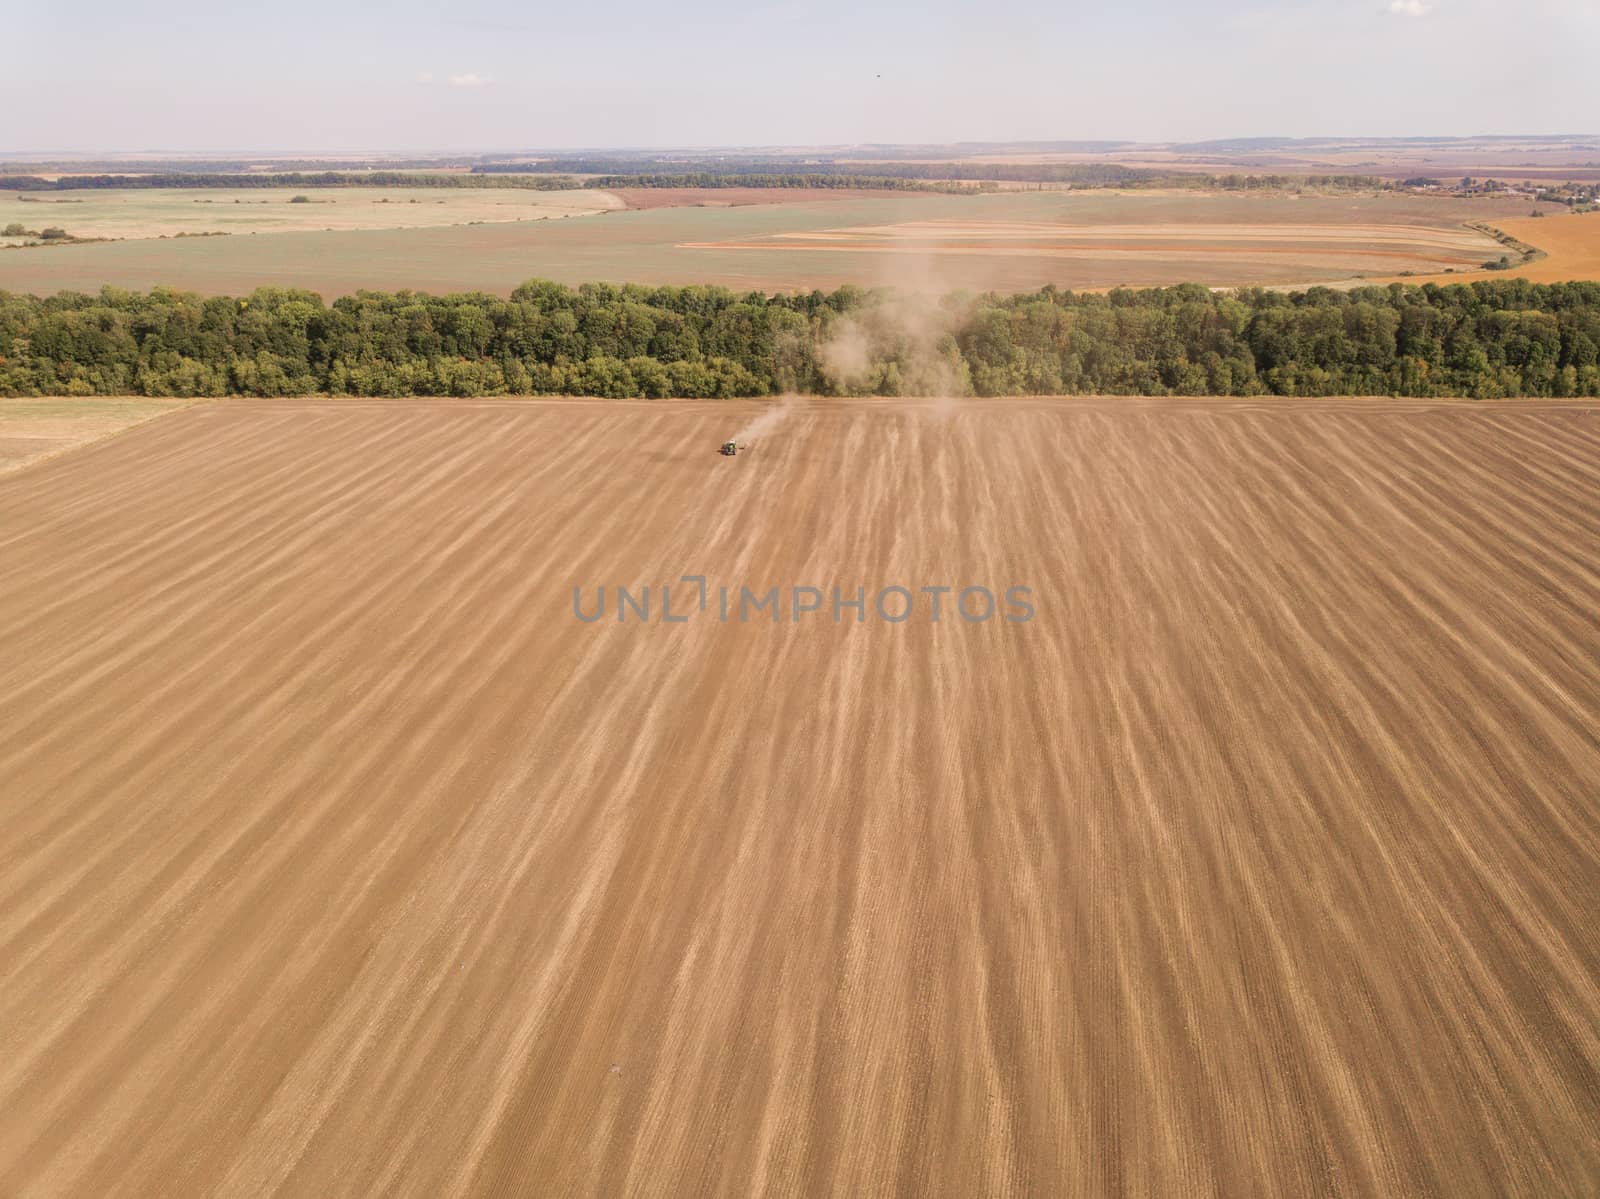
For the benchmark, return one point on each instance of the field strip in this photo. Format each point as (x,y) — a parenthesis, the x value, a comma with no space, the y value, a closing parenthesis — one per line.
(28,440)
(1289,235)
(1567,249)
(1109,253)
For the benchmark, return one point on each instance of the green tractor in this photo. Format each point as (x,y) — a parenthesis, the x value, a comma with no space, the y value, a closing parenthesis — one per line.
(729,449)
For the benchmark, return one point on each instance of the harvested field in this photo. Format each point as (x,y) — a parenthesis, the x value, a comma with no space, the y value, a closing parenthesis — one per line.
(1201,247)
(735,197)
(1571,245)
(1072,239)
(340,858)
(31,429)
(168,212)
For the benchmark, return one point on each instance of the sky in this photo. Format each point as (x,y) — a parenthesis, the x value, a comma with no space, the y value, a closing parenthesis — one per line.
(100,76)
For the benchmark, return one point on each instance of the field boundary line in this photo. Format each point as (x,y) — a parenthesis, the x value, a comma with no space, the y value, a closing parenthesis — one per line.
(180,405)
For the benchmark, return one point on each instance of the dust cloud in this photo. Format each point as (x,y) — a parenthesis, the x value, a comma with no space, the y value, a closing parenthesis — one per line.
(903,342)
(903,345)
(766,422)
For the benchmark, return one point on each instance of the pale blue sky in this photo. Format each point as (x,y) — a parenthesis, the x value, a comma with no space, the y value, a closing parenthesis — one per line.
(97,75)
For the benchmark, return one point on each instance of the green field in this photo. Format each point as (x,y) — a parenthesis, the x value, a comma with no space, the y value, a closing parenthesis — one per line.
(163,212)
(1010,241)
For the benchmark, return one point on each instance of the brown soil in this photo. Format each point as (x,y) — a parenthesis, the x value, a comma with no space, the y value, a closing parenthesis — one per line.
(340,858)
(33,429)
(1357,247)
(735,197)
(1109,251)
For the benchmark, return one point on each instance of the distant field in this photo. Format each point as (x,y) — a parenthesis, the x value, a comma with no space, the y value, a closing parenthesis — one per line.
(1527,158)
(164,213)
(1012,241)
(1571,245)
(1199,247)
(734,197)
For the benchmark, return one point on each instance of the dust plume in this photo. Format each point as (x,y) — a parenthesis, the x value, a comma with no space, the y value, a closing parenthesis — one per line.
(902,344)
(766,422)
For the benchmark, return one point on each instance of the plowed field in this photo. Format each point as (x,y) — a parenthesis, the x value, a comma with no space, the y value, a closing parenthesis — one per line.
(340,857)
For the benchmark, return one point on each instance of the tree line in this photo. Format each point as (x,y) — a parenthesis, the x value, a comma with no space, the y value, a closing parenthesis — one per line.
(183,166)
(1084,174)
(702,179)
(562,175)
(614,170)
(212,179)
(1484,339)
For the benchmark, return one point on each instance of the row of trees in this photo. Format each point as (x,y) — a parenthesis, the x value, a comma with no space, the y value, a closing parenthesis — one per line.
(560,175)
(1483,340)
(706,179)
(1486,339)
(707,172)
(210,179)
(1086,174)
(212,166)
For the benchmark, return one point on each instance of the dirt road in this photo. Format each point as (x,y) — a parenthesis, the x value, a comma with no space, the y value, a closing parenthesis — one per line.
(340,857)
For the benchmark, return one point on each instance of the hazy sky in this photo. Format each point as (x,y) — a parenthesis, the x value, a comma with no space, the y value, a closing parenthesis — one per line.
(121,75)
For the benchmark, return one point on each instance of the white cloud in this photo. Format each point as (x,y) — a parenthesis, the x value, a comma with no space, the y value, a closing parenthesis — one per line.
(425,77)
(472,80)
(1409,8)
